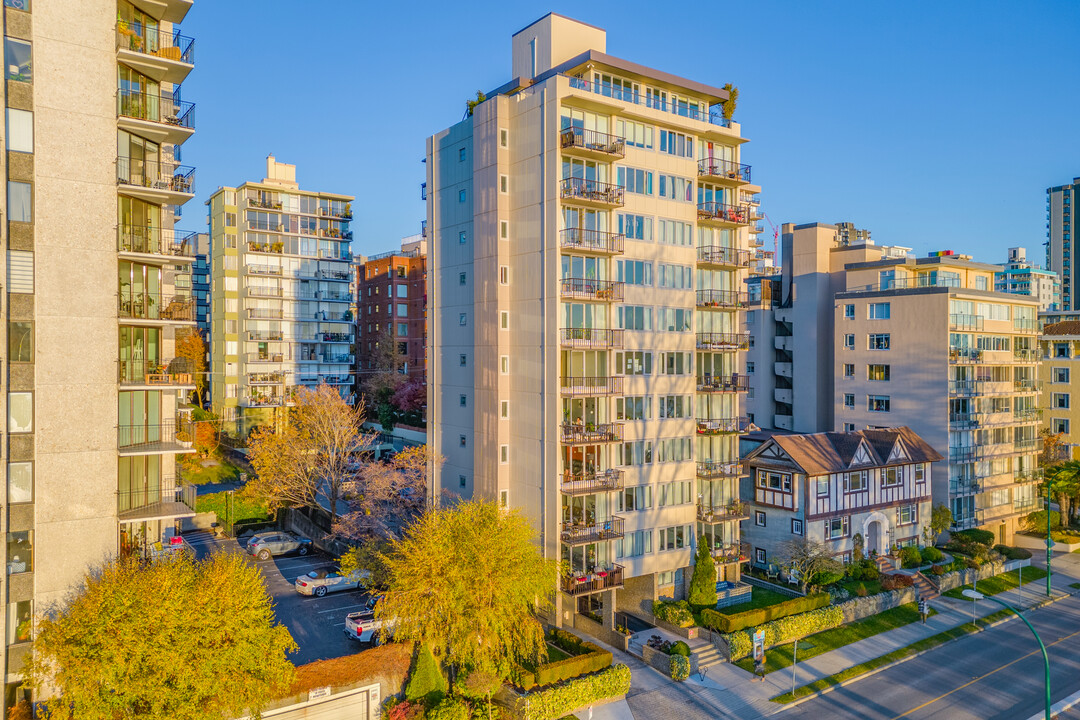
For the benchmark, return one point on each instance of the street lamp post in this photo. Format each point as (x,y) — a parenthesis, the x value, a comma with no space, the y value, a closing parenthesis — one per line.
(1046,658)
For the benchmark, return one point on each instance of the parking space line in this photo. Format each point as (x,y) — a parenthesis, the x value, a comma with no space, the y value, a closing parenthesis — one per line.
(339,609)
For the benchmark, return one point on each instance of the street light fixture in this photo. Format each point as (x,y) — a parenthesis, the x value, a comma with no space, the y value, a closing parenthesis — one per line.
(1046,658)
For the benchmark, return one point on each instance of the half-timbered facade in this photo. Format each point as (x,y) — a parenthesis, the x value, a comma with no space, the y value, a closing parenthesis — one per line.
(834,486)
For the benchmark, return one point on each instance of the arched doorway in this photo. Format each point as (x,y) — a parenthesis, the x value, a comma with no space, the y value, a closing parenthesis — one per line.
(876,532)
(873,537)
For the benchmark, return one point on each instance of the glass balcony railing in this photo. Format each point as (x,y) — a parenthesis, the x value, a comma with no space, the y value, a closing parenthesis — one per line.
(713,116)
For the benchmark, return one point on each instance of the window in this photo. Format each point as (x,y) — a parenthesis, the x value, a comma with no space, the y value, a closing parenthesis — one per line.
(461,237)
(774,480)
(1061,350)
(633,363)
(856,481)
(462,440)
(20,622)
(504,454)
(673,232)
(504,320)
(676,143)
(822,485)
(463,319)
(878,311)
(634,272)
(504,364)
(402,328)
(461,154)
(677,277)
(20,130)
(907,514)
(461,279)
(504,229)
(849,341)
(877,341)
(20,412)
(796,526)
(16,54)
(759,555)
(504,275)
(1060,401)
(462,400)
(461,480)
(980,282)
(20,552)
(759,518)
(849,400)
(504,499)
(635,317)
(674,187)
(463,360)
(635,498)
(891,477)
(837,527)
(675,538)
(849,311)
(1060,425)
(750,368)
(634,544)
(850,427)
(20,273)
(402,310)
(1061,375)
(504,137)
(504,184)
(878,373)
(20,198)
(636,408)
(634,180)
(639,452)
(679,492)
(20,482)
(20,342)
(18,4)
(504,409)
(401,291)
(636,227)
(461,196)
(920,472)
(878,403)
(849,370)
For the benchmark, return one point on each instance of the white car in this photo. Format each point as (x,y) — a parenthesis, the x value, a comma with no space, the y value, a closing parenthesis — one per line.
(327,580)
(363,625)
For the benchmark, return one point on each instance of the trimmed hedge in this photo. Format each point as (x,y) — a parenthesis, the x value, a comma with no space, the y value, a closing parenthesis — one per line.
(741,643)
(680,648)
(587,658)
(676,613)
(1013,553)
(680,668)
(559,700)
(982,537)
(733,623)
(931,554)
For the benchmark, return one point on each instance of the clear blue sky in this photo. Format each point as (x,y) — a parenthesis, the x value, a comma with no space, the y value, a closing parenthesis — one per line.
(934,124)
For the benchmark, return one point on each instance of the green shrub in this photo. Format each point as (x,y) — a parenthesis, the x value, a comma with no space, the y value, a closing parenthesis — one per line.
(778,631)
(586,658)
(931,554)
(703,582)
(896,582)
(559,700)
(680,648)
(1013,553)
(568,642)
(426,682)
(825,577)
(674,613)
(733,623)
(910,557)
(449,709)
(860,590)
(981,537)
(680,667)
(937,570)
(1036,521)
(476,685)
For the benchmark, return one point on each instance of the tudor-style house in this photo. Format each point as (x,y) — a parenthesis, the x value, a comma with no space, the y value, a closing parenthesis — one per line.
(832,486)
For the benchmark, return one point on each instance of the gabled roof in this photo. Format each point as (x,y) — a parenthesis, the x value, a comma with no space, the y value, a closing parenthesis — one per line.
(830,452)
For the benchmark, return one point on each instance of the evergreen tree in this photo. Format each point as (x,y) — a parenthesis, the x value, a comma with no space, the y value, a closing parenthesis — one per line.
(703,583)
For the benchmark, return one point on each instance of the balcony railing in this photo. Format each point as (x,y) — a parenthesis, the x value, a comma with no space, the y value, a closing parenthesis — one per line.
(722,299)
(265,314)
(724,383)
(594,141)
(723,426)
(588,289)
(591,337)
(155,241)
(168,492)
(591,482)
(266,335)
(1026,385)
(178,371)
(264,291)
(570,385)
(959,356)
(150,437)
(737,214)
(155,306)
(600,579)
(592,190)
(958,321)
(156,175)
(266,378)
(155,108)
(585,240)
(716,469)
(273,270)
(139,38)
(590,434)
(1030,443)
(1026,354)
(724,169)
(719,255)
(729,553)
(723,341)
(586,531)
(636,97)
(266,357)
(722,513)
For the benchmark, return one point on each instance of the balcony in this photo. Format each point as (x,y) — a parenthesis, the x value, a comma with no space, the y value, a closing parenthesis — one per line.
(588,289)
(626,95)
(965,356)
(263,291)
(1026,385)
(160,55)
(1026,355)
(267,270)
(731,553)
(723,383)
(591,143)
(163,183)
(726,170)
(265,357)
(592,193)
(266,335)
(590,433)
(723,214)
(594,386)
(155,308)
(590,338)
(176,373)
(965,322)
(157,117)
(729,342)
(723,426)
(598,581)
(722,299)
(723,256)
(170,245)
(163,438)
(590,483)
(591,241)
(170,499)
(714,469)
(265,314)
(587,531)
(334,337)
(713,514)
(266,378)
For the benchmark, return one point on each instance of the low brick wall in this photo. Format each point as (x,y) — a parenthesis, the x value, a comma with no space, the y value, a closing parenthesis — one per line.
(685,633)
(594,629)
(860,607)
(659,660)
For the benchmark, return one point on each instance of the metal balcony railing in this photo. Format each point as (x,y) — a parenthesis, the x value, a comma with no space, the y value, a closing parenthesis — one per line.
(265,314)
(150,437)
(591,385)
(591,482)
(724,169)
(266,357)
(719,255)
(677,107)
(585,240)
(722,513)
(155,174)
(177,371)
(730,299)
(723,341)
(593,191)
(155,306)
(737,214)
(592,140)
(596,581)
(158,493)
(272,270)
(266,335)
(729,553)
(586,531)
(136,37)
(965,355)
(716,469)
(573,433)
(154,107)
(591,337)
(155,241)
(724,383)
(266,378)
(722,426)
(589,289)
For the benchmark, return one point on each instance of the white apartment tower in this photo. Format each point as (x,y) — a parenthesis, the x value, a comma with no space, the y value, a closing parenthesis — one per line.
(589,226)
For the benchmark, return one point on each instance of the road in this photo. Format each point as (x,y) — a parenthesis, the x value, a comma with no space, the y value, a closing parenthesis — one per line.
(993,675)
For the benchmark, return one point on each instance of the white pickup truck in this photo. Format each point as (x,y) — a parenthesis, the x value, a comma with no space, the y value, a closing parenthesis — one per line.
(363,626)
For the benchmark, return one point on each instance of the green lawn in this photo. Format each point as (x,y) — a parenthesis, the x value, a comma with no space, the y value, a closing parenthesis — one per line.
(779,657)
(556,654)
(1075,586)
(244,510)
(899,654)
(999,583)
(759,598)
(873,587)
(223,471)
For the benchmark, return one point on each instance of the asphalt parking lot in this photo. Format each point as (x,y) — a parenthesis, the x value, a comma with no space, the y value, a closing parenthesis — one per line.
(317,624)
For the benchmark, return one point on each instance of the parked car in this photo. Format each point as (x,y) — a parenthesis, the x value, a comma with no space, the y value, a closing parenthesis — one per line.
(363,626)
(264,545)
(329,579)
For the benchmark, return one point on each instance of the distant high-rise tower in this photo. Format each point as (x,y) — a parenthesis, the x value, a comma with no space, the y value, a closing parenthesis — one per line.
(1059,243)
(848,234)
(1019,277)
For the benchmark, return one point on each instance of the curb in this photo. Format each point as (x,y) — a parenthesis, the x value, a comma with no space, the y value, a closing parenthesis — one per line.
(1059,707)
(1041,604)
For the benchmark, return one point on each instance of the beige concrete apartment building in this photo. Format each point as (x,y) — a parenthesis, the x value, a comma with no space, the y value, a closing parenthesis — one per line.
(92,395)
(1059,369)
(590,225)
(281,306)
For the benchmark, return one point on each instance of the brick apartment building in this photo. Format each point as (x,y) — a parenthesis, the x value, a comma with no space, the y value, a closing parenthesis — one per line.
(391,296)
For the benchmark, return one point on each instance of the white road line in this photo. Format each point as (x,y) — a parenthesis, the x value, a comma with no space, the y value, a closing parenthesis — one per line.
(343,607)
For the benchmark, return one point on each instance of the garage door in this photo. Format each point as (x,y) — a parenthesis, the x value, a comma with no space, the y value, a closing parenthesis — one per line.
(351,706)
